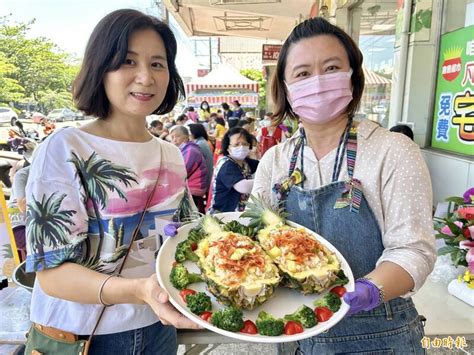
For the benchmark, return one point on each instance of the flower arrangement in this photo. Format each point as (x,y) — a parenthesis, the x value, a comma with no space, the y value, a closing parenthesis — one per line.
(457,230)
(467,278)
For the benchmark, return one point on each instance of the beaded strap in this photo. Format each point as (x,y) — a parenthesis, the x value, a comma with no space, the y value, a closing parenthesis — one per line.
(352,194)
(295,175)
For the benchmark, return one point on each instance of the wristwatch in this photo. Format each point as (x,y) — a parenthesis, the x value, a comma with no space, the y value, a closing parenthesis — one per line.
(379,287)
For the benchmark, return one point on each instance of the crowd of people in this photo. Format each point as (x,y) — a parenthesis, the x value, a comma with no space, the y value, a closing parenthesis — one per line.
(95,192)
(221,147)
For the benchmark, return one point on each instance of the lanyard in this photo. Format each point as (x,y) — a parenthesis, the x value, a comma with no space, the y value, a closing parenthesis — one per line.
(341,149)
(352,194)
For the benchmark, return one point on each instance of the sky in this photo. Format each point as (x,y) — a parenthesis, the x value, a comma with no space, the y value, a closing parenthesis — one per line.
(69,23)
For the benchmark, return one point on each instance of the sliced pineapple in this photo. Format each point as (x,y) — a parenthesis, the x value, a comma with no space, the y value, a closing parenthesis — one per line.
(236,269)
(305,263)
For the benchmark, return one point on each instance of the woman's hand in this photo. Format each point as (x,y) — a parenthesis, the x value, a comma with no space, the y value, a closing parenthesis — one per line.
(365,297)
(157,298)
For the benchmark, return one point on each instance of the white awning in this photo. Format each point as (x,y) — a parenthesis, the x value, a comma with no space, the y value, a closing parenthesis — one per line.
(371,78)
(224,77)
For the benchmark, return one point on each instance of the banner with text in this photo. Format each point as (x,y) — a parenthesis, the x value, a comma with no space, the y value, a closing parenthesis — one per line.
(453,121)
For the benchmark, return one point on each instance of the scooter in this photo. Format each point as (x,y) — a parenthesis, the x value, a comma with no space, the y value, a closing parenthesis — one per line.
(20,132)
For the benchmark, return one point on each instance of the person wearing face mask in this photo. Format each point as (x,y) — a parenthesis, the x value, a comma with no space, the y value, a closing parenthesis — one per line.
(366,190)
(233,175)
(204,111)
(270,135)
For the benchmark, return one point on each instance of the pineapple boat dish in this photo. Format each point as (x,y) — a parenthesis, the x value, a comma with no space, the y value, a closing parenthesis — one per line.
(305,264)
(254,276)
(236,269)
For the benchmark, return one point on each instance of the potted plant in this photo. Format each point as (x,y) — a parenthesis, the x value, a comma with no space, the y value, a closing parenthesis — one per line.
(457,231)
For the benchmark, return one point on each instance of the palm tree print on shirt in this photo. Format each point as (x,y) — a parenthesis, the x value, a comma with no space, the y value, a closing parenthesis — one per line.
(98,176)
(47,225)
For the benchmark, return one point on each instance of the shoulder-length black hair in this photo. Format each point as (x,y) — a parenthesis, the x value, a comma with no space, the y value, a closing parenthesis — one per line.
(236,130)
(219,120)
(107,50)
(314,27)
(198,131)
(208,109)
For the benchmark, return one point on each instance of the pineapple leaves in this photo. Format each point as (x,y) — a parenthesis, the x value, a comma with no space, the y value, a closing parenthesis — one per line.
(262,214)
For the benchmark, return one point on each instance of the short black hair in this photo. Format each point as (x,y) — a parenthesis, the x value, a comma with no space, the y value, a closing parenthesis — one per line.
(312,27)
(242,123)
(107,50)
(219,120)
(403,129)
(225,106)
(156,123)
(181,117)
(233,131)
(198,131)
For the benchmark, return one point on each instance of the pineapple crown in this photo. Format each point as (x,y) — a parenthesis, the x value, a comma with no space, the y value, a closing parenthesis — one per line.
(210,224)
(262,214)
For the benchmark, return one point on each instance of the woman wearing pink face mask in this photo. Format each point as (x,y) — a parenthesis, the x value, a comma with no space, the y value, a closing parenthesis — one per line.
(363,188)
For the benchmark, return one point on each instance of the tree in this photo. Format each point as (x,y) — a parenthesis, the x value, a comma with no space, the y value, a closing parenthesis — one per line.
(10,89)
(97,176)
(48,224)
(40,67)
(257,75)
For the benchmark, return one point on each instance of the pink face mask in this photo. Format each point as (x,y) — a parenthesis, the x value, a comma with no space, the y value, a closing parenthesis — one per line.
(321,98)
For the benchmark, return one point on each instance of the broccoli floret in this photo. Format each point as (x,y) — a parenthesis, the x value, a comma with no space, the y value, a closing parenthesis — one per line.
(341,279)
(228,319)
(268,325)
(180,277)
(196,234)
(304,315)
(330,301)
(237,227)
(184,252)
(199,303)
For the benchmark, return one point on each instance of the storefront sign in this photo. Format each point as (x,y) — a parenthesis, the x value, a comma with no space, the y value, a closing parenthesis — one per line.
(271,51)
(453,121)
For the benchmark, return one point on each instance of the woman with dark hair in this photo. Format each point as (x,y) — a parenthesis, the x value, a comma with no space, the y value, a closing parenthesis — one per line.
(218,134)
(87,191)
(360,187)
(200,137)
(237,114)
(204,111)
(233,179)
(192,115)
(227,111)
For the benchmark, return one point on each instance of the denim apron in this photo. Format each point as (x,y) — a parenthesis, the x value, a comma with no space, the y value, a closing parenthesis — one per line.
(340,213)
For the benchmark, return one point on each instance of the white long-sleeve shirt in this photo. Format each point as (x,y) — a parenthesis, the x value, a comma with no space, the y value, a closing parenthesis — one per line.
(395,182)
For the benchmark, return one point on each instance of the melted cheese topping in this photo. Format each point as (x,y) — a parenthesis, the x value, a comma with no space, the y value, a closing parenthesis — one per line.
(297,252)
(235,260)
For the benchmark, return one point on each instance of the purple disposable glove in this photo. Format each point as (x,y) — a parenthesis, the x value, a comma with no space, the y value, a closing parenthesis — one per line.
(366,296)
(171,229)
